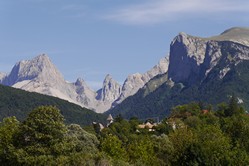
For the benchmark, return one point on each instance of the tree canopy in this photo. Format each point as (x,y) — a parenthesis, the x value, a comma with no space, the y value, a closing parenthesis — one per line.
(191,135)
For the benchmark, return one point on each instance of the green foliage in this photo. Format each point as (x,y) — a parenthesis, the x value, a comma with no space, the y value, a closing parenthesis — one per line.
(19,103)
(194,122)
(8,128)
(163,128)
(184,111)
(44,139)
(199,138)
(182,139)
(113,147)
(163,148)
(44,125)
(233,108)
(142,149)
(41,137)
(82,140)
(213,146)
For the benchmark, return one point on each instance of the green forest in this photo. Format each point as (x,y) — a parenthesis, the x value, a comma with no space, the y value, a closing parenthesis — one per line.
(19,103)
(193,134)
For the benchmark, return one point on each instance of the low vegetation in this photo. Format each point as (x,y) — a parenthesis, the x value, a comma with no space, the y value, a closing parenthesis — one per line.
(193,134)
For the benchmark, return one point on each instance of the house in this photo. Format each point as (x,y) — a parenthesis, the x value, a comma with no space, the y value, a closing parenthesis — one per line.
(148,126)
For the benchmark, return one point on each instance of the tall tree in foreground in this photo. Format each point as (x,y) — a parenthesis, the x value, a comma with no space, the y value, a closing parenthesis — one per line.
(8,128)
(41,139)
(43,127)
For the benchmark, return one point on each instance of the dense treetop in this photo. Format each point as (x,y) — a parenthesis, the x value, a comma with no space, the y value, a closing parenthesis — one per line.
(194,134)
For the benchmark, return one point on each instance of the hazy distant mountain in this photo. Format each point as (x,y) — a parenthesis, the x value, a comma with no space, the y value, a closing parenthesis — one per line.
(41,76)
(200,69)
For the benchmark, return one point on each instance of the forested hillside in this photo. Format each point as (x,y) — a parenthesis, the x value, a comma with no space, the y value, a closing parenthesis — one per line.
(15,102)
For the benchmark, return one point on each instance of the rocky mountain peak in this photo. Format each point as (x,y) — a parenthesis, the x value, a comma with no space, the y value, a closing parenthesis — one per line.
(191,58)
(181,37)
(38,68)
(110,91)
(160,68)
(108,79)
(134,76)
(80,82)
(136,81)
(42,57)
(186,55)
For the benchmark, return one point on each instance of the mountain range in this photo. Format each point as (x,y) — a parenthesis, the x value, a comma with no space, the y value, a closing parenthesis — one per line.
(41,75)
(207,70)
(204,70)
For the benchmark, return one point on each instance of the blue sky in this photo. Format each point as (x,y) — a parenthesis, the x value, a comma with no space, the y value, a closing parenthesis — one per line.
(92,38)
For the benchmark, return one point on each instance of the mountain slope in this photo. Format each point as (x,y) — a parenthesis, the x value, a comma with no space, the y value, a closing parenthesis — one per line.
(16,102)
(136,81)
(236,34)
(200,70)
(41,76)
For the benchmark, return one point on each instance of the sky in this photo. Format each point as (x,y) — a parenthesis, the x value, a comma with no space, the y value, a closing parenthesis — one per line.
(93,38)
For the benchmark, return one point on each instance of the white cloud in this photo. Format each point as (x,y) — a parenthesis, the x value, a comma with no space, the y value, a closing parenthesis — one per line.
(157,11)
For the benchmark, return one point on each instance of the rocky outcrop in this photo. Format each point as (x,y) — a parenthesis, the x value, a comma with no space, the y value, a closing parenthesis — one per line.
(110,91)
(187,53)
(136,81)
(85,96)
(192,58)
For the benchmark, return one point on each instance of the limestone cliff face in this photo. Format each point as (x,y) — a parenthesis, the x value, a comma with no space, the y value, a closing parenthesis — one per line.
(192,58)
(187,53)
(110,91)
